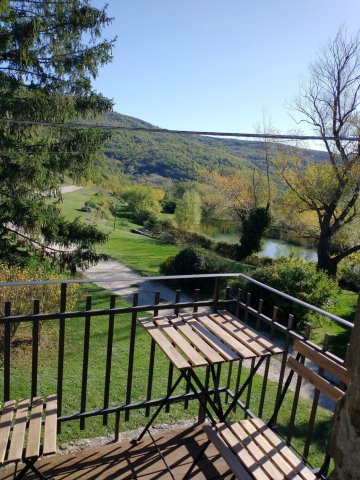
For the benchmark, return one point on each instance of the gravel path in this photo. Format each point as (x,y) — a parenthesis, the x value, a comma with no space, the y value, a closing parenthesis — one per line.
(125,281)
(69,188)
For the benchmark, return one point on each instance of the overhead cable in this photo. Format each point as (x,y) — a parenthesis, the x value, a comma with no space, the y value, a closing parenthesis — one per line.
(270,136)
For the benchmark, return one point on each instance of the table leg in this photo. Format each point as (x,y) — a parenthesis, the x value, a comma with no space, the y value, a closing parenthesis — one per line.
(242,389)
(160,407)
(216,382)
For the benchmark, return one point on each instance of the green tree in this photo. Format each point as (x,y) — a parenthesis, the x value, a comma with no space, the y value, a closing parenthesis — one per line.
(329,193)
(143,202)
(188,210)
(49,53)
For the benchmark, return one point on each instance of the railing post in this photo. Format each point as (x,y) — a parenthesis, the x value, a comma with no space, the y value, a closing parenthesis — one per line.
(109,357)
(7,352)
(85,362)
(35,350)
(152,358)
(131,355)
(216,294)
(61,350)
(283,362)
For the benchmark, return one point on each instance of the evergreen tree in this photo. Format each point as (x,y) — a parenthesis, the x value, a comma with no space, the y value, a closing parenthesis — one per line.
(49,53)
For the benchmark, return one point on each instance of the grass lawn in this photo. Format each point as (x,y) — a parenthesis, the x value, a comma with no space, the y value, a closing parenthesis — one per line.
(340,336)
(21,365)
(138,252)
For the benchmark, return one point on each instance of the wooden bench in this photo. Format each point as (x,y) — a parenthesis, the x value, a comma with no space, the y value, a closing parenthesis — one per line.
(21,435)
(251,449)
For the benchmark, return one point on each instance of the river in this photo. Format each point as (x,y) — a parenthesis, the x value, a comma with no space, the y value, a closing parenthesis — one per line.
(228,231)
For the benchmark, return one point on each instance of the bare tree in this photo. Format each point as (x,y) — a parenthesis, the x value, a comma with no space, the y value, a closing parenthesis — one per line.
(329,103)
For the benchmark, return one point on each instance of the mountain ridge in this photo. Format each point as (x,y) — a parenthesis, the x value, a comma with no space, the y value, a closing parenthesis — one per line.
(179,156)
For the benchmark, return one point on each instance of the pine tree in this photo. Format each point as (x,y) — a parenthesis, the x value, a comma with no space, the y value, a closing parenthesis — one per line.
(49,53)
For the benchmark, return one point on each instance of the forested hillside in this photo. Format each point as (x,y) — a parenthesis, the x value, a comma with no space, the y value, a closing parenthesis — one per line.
(179,156)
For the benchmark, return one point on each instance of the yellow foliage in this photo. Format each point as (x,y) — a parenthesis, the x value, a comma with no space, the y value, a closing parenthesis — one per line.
(22,297)
(239,193)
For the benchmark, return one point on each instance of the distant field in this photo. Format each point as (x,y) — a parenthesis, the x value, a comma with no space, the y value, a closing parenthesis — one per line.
(140,253)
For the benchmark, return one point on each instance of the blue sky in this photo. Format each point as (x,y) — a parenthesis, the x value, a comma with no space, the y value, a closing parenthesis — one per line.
(215,65)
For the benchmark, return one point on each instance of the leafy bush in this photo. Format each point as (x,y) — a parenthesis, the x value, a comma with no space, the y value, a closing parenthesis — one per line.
(143,202)
(349,272)
(258,261)
(226,249)
(100,205)
(194,260)
(22,297)
(297,278)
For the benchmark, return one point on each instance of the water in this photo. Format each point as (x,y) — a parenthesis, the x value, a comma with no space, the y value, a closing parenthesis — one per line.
(228,231)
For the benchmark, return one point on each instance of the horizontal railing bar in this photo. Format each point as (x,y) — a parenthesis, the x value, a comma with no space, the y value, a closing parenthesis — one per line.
(107,311)
(292,333)
(337,319)
(120,279)
(134,406)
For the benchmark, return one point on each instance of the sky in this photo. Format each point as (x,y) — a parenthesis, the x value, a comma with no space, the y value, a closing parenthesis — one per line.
(216,65)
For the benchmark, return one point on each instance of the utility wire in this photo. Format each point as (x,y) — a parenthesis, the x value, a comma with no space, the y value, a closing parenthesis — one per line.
(182,132)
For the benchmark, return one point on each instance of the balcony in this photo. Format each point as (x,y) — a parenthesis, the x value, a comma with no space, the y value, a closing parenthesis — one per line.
(109,376)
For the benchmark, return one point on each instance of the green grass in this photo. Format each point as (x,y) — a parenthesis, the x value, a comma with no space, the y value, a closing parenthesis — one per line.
(340,336)
(21,374)
(138,252)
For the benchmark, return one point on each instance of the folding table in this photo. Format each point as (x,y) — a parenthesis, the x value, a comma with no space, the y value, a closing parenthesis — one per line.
(206,339)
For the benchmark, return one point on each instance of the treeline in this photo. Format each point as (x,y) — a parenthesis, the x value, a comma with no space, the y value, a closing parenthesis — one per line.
(179,157)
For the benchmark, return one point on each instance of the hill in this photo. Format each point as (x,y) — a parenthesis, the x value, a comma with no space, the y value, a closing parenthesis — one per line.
(179,156)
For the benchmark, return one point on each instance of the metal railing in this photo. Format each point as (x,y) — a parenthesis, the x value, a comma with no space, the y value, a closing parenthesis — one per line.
(144,397)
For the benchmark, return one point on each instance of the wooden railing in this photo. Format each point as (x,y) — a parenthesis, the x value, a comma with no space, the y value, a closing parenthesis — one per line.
(144,398)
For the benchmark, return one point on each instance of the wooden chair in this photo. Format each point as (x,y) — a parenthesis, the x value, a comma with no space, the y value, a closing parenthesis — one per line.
(250,447)
(21,436)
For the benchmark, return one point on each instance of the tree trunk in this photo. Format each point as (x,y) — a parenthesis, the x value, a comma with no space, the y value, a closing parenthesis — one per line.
(325,261)
(345,436)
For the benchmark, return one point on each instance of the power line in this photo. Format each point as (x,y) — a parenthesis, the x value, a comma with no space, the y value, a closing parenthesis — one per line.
(270,136)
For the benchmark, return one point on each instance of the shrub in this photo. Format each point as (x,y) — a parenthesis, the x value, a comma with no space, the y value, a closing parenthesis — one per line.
(143,202)
(226,249)
(349,272)
(258,261)
(297,278)
(192,261)
(22,297)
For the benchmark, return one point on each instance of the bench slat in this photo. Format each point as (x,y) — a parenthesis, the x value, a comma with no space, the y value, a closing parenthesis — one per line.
(18,434)
(33,443)
(170,351)
(323,361)
(270,451)
(224,336)
(5,424)
(283,449)
(225,351)
(320,383)
(251,446)
(232,329)
(251,332)
(234,464)
(209,353)
(182,343)
(241,453)
(50,425)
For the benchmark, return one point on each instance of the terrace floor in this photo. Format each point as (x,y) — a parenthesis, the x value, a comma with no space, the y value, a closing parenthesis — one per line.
(142,461)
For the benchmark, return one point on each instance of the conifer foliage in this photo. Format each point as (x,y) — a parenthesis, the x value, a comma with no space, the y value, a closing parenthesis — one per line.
(49,53)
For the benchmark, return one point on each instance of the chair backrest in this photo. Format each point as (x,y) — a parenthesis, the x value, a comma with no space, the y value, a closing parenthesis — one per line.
(325,363)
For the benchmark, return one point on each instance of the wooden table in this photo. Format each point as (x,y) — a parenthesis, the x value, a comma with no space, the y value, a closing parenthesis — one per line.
(206,340)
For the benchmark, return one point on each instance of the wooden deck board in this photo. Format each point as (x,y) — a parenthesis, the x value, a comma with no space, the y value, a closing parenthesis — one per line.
(124,461)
